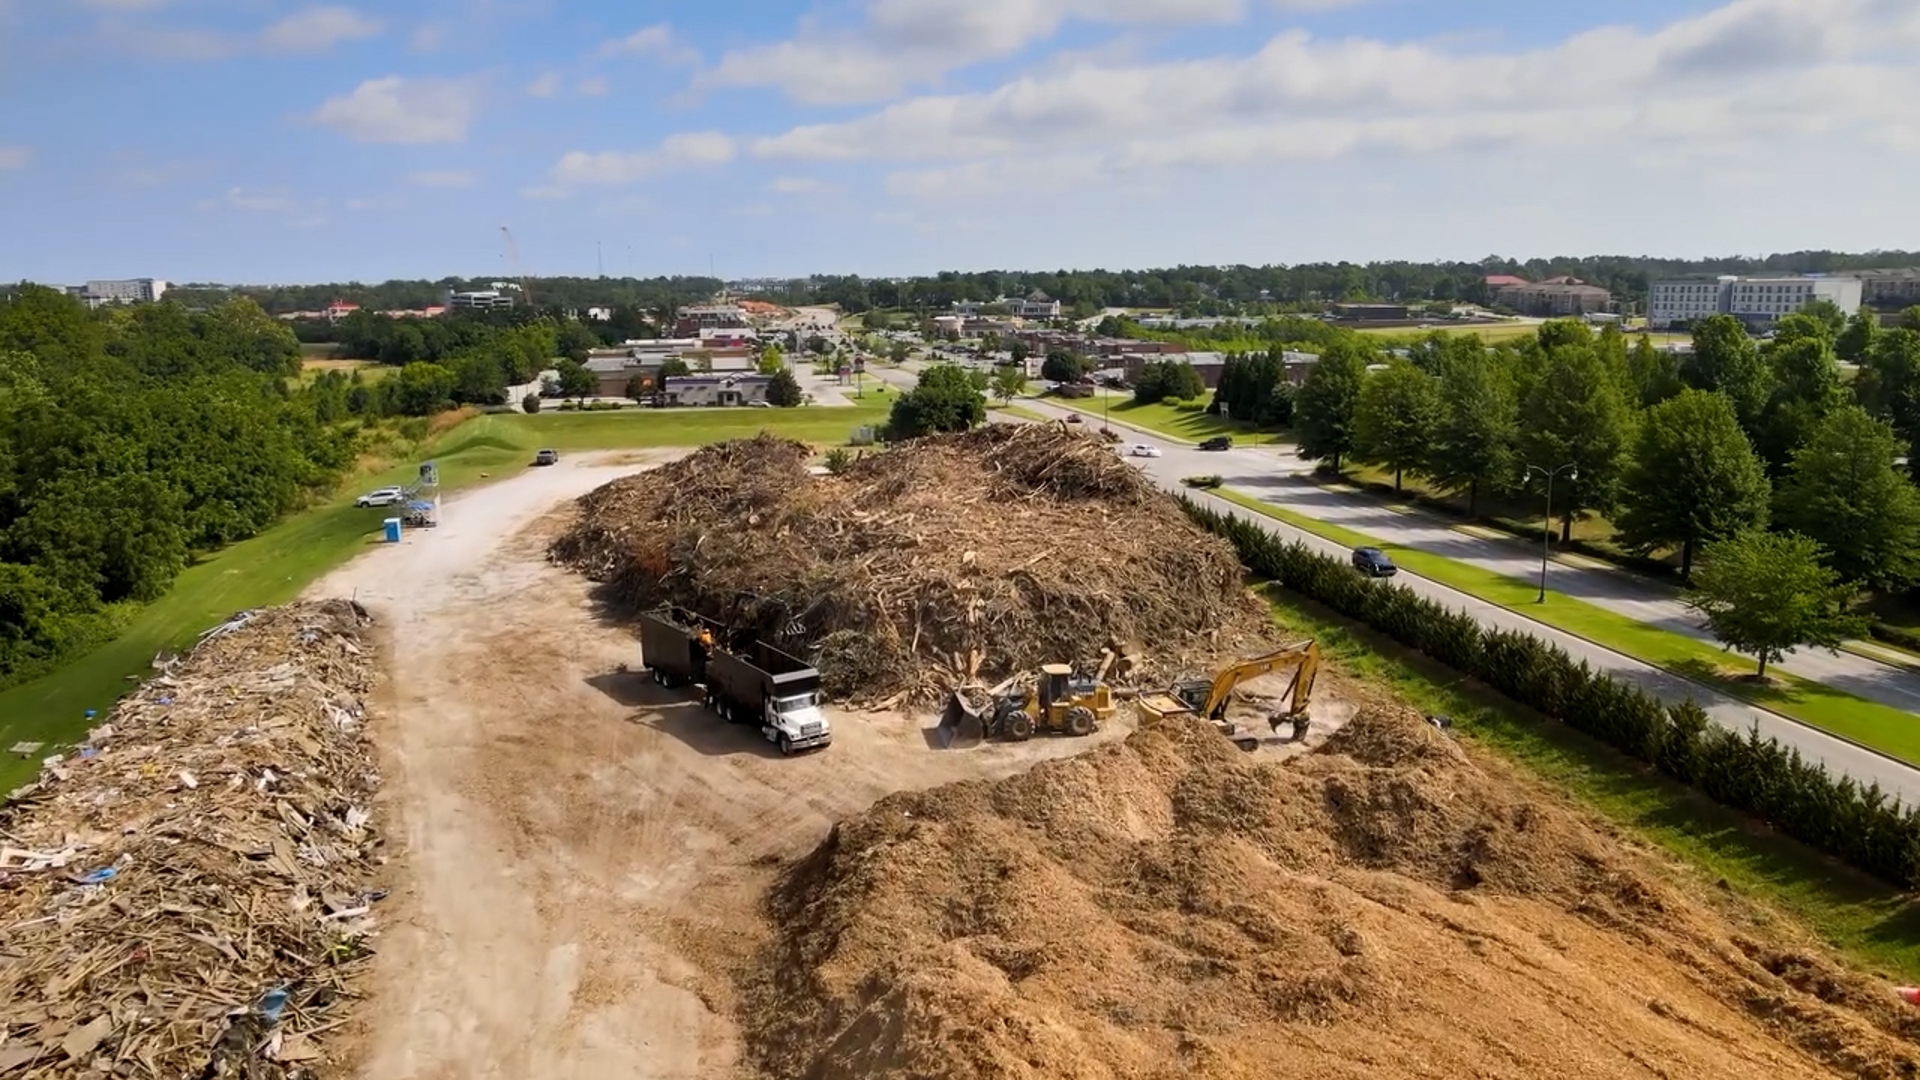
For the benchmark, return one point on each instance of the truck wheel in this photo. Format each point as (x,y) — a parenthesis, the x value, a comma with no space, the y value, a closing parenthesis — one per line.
(1080,720)
(1018,726)
(786,746)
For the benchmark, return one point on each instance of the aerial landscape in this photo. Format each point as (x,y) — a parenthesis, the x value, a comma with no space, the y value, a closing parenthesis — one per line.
(932,541)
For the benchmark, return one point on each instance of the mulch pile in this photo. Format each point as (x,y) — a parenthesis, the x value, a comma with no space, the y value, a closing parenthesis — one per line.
(189,893)
(942,562)
(1169,908)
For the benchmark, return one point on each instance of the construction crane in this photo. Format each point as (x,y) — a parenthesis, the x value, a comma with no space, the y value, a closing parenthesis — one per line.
(513,257)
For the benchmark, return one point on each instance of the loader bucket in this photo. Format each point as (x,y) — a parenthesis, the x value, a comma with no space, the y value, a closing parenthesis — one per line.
(960,721)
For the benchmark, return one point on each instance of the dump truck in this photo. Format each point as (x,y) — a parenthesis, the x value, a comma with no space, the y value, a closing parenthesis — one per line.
(675,646)
(775,690)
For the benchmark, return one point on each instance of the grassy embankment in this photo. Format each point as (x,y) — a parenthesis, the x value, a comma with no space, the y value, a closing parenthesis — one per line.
(1718,855)
(1184,420)
(1888,730)
(274,567)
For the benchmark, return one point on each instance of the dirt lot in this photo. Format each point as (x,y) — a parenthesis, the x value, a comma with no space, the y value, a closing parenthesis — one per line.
(583,863)
(585,853)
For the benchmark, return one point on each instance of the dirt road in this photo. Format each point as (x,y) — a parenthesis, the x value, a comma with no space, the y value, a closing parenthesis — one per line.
(583,854)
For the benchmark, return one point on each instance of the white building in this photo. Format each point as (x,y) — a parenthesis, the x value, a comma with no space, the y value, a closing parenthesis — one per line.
(1685,300)
(479,300)
(125,291)
(1758,302)
(730,389)
(1037,305)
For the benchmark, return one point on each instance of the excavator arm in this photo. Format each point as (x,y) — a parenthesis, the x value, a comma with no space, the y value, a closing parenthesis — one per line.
(1306,653)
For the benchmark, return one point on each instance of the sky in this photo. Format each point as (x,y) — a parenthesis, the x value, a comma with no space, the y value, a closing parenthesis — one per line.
(261,141)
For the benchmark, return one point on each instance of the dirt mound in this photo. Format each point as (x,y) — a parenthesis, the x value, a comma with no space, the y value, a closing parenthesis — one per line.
(188,893)
(1169,907)
(943,560)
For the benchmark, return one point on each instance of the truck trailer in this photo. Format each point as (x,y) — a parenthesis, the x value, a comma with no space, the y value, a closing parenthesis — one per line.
(675,646)
(775,690)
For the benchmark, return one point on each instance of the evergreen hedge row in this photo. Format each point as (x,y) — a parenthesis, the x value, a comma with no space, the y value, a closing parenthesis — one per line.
(1860,826)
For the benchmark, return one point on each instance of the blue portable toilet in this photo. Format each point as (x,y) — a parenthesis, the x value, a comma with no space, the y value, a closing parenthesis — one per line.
(393,530)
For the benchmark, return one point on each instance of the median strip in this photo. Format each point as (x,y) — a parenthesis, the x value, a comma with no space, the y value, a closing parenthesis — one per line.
(1878,727)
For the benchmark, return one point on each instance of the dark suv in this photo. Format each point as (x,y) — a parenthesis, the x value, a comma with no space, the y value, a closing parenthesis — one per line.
(1218,442)
(1373,562)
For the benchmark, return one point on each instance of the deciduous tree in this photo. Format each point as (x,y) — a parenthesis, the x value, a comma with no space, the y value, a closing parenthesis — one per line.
(1323,410)
(1724,358)
(945,399)
(1473,445)
(1576,415)
(1693,479)
(1767,594)
(1844,491)
(1395,419)
(1856,341)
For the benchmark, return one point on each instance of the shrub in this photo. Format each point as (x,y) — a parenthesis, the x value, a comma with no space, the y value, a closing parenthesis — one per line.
(531,403)
(837,460)
(1859,826)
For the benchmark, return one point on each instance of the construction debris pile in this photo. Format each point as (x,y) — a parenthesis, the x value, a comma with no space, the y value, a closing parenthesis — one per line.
(190,892)
(945,561)
(1169,908)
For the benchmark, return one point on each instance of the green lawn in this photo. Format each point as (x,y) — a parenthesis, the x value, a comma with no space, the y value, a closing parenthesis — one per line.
(1723,857)
(1024,414)
(273,567)
(1185,420)
(1886,729)
(1487,332)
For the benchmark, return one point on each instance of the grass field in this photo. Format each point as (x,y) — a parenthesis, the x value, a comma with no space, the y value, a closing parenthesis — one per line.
(1723,856)
(1886,729)
(369,371)
(273,567)
(1186,420)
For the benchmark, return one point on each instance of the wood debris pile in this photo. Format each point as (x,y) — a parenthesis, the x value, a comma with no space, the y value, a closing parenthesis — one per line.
(941,562)
(189,892)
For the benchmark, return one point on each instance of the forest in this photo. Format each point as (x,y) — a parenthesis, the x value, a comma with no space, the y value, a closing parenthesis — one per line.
(1199,290)
(132,439)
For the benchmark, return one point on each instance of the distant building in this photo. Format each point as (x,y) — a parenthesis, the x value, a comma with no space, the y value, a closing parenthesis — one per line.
(1759,302)
(692,320)
(479,300)
(1553,298)
(719,390)
(338,310)
(120,291)
(1037,305)
(600,314)
(1496,282)
(1889,290)
(1372,312)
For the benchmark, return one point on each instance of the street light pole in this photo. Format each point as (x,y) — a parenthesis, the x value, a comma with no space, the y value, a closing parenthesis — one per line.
(1546,534)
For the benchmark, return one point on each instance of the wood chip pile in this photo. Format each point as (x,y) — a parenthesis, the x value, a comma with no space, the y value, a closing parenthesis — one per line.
(943,561)
(190,892)
(1390,906)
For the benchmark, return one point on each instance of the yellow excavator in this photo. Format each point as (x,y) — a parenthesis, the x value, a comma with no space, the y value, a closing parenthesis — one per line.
(1208,698)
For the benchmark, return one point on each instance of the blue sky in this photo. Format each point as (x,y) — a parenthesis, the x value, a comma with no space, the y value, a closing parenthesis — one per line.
(278,140)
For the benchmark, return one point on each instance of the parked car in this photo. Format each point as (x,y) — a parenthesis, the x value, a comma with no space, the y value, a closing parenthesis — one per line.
(1141,449)
(1073,418)
(386,496)
(547,457)
(1373,562)
(1218,442)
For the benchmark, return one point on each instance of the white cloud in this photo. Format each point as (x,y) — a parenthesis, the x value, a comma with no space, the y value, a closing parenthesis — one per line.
(690,149)
(545,86)
(445,178)
(398,110)
(800,185)
(15,157)
(657,40)
(309,30)
(246,198)
(594,87)
(317,29)
(427,37)
(907,42)
(1754,71)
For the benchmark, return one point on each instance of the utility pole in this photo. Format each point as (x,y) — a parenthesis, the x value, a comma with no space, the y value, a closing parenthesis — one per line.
(1546,537)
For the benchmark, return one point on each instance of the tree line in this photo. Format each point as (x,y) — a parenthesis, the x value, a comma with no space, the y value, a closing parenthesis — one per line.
(131,438)
(1695,452)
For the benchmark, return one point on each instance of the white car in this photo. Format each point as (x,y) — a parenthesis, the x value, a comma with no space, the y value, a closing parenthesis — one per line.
(1141,449)
(386,496)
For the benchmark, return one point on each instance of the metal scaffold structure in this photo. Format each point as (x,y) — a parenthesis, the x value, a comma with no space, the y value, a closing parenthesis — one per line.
(423,499)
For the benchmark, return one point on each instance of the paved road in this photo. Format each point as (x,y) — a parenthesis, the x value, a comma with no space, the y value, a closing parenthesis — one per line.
(1282,479)
(1246,468)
